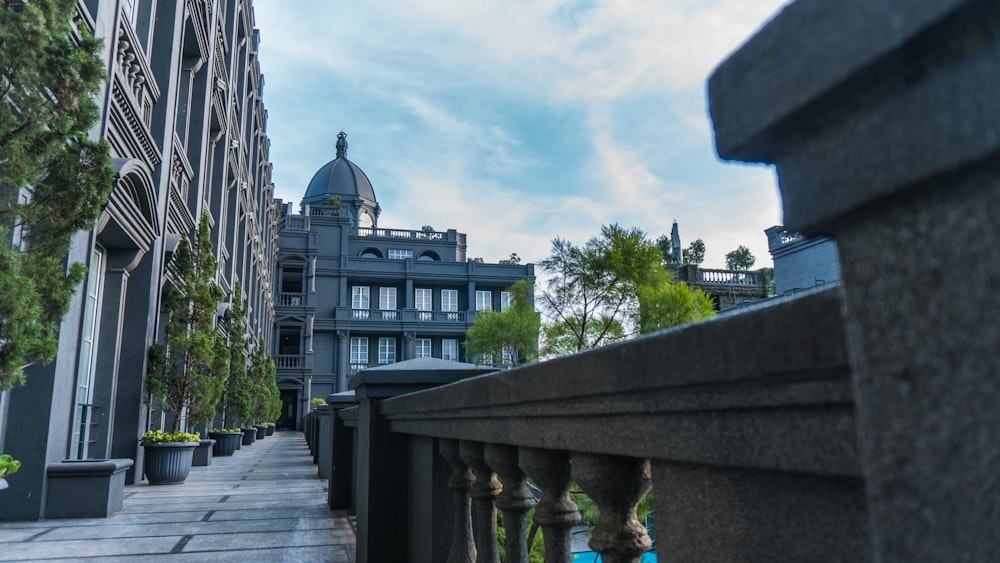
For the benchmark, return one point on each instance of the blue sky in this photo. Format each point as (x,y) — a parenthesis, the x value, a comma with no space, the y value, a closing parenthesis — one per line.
(518,121)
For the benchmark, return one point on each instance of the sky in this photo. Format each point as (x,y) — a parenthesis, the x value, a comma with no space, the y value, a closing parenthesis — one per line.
(517,122)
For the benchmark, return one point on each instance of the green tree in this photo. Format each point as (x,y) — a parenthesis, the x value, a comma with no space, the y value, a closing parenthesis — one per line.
(514,330)
(238,397)
(670,304)
(695,252)
(264,388)
(613,287)
(189,372)
(591,295)
(740,259)
(53,178)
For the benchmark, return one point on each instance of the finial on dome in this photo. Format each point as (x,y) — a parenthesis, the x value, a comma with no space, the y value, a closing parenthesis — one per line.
(341,144)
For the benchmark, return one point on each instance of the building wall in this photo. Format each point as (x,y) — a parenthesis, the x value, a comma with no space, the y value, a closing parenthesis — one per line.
(801,263)
(183,112)
(315,310)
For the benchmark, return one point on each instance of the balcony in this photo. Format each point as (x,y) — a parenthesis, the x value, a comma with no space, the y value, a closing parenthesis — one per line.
(291,299)
(403,315)
(288,361)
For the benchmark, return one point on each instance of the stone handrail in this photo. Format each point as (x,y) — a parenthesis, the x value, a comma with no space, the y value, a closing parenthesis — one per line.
(730,277)
(665,412)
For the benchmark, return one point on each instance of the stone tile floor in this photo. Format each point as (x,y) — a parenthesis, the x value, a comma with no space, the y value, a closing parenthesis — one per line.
(262,504)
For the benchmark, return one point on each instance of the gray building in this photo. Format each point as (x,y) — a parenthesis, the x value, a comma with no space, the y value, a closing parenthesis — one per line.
(182,111)
(353,294)
(800,262)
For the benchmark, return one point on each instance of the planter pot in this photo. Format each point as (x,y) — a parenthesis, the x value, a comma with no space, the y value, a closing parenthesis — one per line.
(203,454)
(226,443)
(270,430)
(261,431)
(168,463)
(249,435)
(3,483)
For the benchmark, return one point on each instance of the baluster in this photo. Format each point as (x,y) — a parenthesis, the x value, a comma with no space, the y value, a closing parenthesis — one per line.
(556,512)
(515,500)
(484,492)
(462,548)
(616,485)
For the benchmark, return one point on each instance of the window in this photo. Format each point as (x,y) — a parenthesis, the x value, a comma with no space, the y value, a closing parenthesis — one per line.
(423,348)
(386,350)
(400,254)
(359,351)
(449,349)
(506,298)
(484,300)
(360,297)
(387,298)
(423,298)
(88,358)
(449,300)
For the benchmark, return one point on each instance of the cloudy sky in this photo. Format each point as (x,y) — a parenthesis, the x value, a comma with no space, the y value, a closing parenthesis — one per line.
(518,121)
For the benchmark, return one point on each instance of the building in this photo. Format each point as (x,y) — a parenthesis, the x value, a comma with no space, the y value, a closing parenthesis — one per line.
(183,112)
(352,294)
(800,262)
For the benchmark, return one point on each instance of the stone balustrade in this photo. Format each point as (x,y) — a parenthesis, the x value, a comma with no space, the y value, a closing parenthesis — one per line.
(849,423)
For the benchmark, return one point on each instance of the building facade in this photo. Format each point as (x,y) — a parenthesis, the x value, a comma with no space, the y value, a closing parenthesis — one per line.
(352,294)
(183,112)
(801,262)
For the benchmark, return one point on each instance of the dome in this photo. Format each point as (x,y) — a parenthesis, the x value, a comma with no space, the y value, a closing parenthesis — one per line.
(339,177)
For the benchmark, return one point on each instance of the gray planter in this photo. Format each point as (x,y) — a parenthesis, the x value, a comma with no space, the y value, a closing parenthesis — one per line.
(226,443)
(168,463)
(261,431)
(203,454)
(270,430)
(249,435)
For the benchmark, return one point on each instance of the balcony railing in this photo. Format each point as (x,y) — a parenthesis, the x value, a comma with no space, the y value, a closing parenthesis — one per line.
(400,234)
(291,299)
(288,361)
(853,423)
(665,413)
(344,313)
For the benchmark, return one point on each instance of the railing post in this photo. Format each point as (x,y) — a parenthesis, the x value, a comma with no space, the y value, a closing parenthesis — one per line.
(616,485)
(341,454)
(556,513)
(462,548)
(514,502)
(484,491)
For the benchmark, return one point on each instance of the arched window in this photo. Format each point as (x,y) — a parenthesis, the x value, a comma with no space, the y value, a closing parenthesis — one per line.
(371,253)
(429,255)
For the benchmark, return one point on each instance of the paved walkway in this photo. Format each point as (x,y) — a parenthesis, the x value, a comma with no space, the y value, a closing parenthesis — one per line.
(262,504)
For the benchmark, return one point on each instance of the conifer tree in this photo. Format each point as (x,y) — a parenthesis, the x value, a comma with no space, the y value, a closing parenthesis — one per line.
(238,393)
(53,178)
(189,372)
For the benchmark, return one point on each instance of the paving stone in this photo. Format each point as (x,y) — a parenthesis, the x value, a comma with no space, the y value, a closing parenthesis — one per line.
(262,504)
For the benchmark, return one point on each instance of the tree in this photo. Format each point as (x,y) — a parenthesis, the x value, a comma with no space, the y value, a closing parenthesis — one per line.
(740,259)
(238,397)
(591,295)
(514,330)
(189,372)
(266,402)
(670,304)
(512,259)
(695,252)
(53,178)
(613,287)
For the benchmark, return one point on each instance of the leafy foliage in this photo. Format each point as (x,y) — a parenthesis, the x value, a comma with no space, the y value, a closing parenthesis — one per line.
(266,403)
(159,437)
(190,371)
(8,465)
(695,252)
(613,287)
(53,178)
(740,259)
(514,330)
(238,397)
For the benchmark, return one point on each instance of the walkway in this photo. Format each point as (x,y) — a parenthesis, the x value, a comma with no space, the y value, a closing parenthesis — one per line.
(262,504)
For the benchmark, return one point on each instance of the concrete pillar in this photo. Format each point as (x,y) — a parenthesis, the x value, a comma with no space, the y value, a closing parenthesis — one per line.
(886,136)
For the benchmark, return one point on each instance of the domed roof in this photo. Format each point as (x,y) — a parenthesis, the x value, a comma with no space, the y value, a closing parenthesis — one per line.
(339,177)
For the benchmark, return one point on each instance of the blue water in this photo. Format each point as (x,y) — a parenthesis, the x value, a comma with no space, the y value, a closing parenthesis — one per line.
(594,557)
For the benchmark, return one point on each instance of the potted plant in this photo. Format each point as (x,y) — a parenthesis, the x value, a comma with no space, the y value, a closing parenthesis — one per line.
(188,372)
(270,428)
(335,203)
(8,466)
(249,435)
(265,389)
(167,459)
(227,441)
